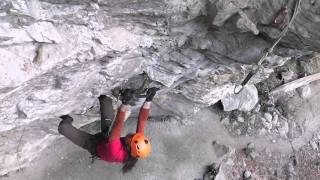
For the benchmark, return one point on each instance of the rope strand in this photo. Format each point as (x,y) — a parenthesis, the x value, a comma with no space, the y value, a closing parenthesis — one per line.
(269,51)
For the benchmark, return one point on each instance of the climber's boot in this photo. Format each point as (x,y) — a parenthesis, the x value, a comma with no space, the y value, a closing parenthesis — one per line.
(66,119)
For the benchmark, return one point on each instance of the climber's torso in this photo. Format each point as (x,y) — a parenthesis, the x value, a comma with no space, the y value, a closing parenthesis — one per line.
(113,151)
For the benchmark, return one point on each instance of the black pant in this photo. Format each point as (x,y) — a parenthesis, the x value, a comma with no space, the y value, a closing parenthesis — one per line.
(84,139)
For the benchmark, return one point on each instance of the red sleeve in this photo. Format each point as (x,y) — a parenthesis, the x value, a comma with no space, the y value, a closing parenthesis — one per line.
(117,126)
(143,117)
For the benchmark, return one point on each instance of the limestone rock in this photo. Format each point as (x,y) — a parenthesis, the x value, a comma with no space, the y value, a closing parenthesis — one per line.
(257,108)
(220,149)
(59,55)
(268,117)
(314,145)
(288,76)
(305,91)
(275,119)
(244,101)
(214,172)
(220,175)
(246,174)
(225,121)
(240,119)
(249,150)
(284,129)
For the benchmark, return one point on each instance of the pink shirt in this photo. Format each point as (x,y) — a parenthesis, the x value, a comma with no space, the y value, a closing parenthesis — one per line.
(113,151)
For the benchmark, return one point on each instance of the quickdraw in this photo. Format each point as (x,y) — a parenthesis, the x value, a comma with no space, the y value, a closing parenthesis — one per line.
(279,18)
(238,88)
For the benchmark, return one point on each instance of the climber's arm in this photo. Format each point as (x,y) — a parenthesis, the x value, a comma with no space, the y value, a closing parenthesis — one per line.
(143,117)
(118,124)
(144,111)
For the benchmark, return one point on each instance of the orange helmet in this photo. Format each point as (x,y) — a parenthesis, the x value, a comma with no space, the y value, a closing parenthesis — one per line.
(140,146)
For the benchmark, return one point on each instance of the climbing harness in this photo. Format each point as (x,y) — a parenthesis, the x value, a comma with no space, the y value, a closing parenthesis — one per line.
(238,88)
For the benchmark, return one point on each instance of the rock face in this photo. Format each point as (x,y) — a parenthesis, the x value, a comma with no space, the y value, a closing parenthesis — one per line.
(59,55)
(305,92)
(246,100)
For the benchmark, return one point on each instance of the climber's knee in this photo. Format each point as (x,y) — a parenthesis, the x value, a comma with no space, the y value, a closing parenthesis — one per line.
(64,124)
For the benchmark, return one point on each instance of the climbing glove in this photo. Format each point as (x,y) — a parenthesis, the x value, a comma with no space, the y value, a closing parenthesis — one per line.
(127,96)
(151,92)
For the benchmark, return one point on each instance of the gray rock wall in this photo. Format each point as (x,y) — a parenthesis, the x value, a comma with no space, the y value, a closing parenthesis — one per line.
(57,56)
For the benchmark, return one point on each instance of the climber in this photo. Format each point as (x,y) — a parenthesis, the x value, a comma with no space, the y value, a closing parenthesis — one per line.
(109,146)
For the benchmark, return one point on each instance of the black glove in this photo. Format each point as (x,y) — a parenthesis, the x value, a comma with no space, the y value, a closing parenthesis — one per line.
(151,93)
(127,96)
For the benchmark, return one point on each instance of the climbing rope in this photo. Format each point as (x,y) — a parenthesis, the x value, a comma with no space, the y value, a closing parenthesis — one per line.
(238,88)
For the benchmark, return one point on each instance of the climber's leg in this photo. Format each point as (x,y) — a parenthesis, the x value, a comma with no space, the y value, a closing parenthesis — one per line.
(78,137)
(107,114)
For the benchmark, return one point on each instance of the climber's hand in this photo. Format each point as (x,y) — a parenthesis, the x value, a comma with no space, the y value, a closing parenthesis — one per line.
(151,92)
(127,96)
